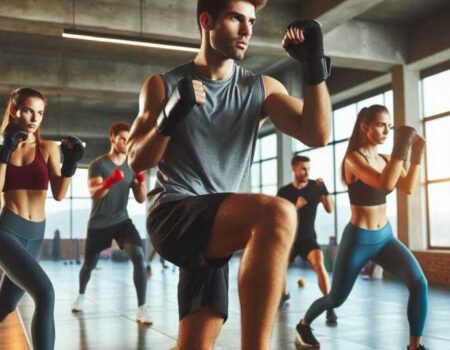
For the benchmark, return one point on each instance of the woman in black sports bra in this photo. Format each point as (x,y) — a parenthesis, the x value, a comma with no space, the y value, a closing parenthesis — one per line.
(27,165)
(370,177)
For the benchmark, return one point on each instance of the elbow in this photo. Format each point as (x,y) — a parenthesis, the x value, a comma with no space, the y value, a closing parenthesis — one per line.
(58,197)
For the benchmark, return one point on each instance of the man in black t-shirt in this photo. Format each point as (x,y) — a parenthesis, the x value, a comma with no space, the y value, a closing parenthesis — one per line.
(306,195)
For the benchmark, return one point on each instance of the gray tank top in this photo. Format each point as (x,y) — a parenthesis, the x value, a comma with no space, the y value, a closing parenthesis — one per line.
(212,149)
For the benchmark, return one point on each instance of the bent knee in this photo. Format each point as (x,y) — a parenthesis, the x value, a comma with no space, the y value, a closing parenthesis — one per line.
(280,214)
(419,283)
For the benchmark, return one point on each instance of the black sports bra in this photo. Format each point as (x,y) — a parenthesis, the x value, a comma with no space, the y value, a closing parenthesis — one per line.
(364,195)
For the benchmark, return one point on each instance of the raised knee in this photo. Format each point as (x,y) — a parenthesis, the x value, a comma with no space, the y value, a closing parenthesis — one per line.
(282,215)
(335,301)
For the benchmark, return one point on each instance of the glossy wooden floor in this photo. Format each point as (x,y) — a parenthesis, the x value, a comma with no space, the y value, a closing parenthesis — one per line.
(374,316)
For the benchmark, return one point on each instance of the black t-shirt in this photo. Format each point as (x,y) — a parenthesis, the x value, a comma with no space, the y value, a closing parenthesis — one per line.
(306,215)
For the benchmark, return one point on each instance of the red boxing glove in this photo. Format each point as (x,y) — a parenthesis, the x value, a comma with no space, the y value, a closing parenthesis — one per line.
(140,177)
(116,176)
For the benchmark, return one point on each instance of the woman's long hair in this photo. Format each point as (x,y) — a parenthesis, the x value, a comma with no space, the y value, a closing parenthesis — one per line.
(16,100)
(366,116)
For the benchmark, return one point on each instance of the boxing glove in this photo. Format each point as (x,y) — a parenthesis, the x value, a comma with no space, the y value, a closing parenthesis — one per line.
(116,176)
(12,135)
(140,176)
(73,150)
(403,136)
(177,107)
(310,53)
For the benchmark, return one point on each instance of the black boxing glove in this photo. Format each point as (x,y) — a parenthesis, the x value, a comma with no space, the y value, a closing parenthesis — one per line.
(316,66)
(403,136)
(178,106)
(72,149)
(12,135)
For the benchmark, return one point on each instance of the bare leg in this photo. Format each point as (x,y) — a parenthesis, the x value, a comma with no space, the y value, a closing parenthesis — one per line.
(265,227)
(315,259)
(199,330)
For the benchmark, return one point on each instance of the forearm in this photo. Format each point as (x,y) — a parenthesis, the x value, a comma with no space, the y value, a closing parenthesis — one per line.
(328,203)
(60,185)
(408,183)
(2,175)
(390,175)
(98,191)
(140,191)
(146,151)
(316,115)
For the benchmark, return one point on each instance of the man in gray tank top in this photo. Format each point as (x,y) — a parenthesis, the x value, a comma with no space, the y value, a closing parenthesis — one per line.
(199,123)
(110,180)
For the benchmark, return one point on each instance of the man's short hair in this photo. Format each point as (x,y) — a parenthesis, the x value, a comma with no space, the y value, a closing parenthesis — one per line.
(297,159)
(215,7)
(118,127)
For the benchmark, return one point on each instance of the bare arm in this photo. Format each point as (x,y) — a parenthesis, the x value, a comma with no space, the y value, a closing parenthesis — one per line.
(385,180)
(408,180)
(139,190)
(308,122)
(58,183)
(145,147)
(96,189)
(2,175)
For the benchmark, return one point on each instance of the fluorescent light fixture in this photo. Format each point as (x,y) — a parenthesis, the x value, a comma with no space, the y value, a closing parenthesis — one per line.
(125,40)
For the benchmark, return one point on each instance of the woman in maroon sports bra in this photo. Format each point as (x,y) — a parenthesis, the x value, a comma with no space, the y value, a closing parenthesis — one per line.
(27,165)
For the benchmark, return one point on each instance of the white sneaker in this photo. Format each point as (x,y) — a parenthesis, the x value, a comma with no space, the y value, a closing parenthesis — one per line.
(143,317)
(78,304)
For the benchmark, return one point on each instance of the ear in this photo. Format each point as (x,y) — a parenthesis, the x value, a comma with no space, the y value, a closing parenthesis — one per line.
(12,110)
(364,127)
(205,21)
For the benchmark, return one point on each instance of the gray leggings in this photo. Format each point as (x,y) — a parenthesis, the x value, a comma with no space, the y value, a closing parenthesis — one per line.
(20,241)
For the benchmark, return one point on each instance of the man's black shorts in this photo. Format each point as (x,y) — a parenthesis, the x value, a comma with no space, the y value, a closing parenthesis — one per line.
(303,247)
(180,231)
(123,232)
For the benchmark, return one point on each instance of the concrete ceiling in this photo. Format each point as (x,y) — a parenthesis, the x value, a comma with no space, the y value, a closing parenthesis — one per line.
(90,85)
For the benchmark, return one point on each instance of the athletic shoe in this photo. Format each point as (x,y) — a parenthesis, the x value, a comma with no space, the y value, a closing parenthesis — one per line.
(331,317)
(304,337)
(78,304)
(284,297)
(143,317)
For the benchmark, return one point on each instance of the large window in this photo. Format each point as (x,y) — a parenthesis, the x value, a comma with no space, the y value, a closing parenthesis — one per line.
(326,164)
(436,111)
(70,216)
(264,168)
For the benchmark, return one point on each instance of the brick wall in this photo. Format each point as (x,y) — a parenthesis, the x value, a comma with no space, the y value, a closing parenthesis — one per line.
(435,265)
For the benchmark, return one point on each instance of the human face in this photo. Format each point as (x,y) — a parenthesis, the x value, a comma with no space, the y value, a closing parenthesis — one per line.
(233,29)
(119,142)
(29,115)
(377,130)
(301,171)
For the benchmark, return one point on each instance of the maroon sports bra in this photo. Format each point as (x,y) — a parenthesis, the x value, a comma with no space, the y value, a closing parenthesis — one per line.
(33,176)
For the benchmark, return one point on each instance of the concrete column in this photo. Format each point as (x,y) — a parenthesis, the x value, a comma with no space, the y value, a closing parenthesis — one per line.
(411,220)
(284,146)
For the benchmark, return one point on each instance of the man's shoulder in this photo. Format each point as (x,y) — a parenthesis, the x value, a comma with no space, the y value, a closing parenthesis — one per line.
(285,188)
(100,160)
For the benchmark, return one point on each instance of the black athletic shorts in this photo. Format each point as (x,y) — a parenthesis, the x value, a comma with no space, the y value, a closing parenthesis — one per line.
(303,247)
(180,231)
(101,238)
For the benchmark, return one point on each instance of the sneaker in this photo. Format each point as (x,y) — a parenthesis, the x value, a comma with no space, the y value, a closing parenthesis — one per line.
(331,317)
(420,347)
(163,263)
(285,297)
(305,337)
(143,317)
(78,304)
